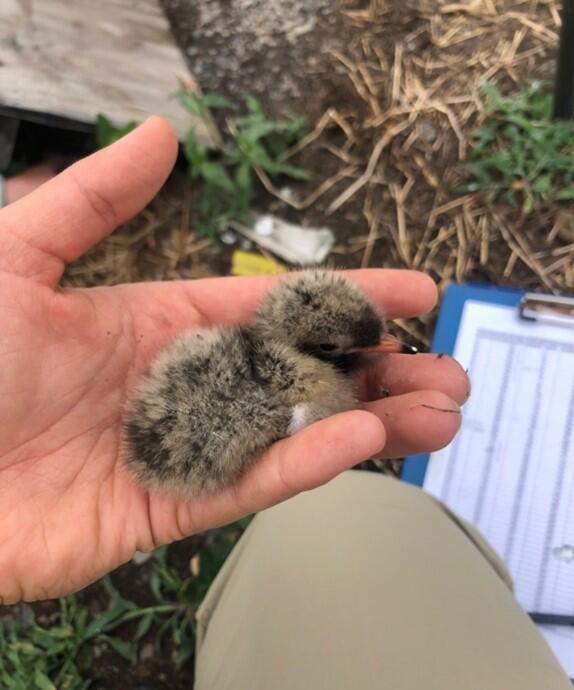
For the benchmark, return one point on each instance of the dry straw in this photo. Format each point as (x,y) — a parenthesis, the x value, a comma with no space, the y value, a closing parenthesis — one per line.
(415,67)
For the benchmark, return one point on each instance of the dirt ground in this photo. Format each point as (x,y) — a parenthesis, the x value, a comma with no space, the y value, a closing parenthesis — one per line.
(391,91)
(267,48)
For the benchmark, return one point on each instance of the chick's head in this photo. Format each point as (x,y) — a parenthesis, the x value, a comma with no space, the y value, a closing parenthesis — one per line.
(321,313)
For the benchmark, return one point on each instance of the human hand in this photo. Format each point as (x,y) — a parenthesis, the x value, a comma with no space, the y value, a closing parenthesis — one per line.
(70,511)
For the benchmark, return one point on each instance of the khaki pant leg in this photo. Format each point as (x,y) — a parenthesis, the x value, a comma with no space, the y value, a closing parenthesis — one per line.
(367,583)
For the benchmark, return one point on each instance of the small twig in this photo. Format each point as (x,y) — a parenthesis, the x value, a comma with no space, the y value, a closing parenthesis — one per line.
(510,264)
(360,182)
(326,118)
(519,245)
(373,221)
(461,255)
(316,194)
(397,73)
(484,239)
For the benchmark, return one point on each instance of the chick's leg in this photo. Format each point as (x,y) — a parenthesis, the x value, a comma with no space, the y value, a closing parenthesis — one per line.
(367,583)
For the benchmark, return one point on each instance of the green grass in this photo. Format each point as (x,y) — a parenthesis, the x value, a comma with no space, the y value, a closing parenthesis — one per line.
(54,656)
(57,654)
(107,133)
(227,176)
(187,591)
(520,155)
(224,178)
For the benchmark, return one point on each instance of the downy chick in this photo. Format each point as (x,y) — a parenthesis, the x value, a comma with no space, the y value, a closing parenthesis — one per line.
(215,400)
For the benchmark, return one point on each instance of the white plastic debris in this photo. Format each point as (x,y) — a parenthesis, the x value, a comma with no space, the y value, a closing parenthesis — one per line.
(295,244)
(229,237)
(264,226)
(141,557)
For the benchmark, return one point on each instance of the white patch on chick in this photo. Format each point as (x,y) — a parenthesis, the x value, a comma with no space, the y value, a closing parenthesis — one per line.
(300,418)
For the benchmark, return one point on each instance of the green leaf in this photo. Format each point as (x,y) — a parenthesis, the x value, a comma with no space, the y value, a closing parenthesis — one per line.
(529,203)
(155,586)
(184,654)
(292,171)
(104,131)
(198,104)
(110,619)
(254,106)
(25,647)
(42,682)
(215,174)
(295,126)
(223,188)
(243,176)
(493,95)
(542,185)
(213,100)
(143,626)
(257,130)
(191,102)
(520,143)
(565,194)
(107,133)
(113,593)
(259,157)
(122,647)
(60,632)
(195,153)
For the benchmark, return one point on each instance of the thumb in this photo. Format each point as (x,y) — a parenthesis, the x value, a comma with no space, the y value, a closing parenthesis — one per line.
(63,218)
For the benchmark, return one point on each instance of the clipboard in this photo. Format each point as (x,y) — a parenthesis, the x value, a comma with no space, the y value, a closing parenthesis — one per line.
(446,331)
(510,470)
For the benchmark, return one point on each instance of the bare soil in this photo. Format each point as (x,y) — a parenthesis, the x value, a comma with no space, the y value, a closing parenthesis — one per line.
(392,89)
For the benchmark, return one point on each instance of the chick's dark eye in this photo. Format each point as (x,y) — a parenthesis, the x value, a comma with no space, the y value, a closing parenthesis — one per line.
(327,347)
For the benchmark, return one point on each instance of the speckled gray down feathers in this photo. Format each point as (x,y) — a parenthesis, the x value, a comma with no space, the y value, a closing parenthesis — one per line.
(215,400)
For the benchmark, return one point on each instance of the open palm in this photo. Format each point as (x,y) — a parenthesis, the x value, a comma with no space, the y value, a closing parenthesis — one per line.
(70,511)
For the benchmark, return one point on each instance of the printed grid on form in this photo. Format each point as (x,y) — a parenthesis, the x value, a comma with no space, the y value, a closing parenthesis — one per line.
(510,471)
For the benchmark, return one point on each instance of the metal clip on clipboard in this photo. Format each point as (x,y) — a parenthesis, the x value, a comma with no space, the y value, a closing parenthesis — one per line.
(551,309)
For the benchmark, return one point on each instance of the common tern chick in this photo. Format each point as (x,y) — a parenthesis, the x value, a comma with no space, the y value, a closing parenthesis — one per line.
(215,400)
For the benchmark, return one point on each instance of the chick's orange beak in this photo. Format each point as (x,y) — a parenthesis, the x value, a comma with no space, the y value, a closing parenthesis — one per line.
(390,344)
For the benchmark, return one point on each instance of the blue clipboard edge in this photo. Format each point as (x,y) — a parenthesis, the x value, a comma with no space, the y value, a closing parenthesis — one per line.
(446,331)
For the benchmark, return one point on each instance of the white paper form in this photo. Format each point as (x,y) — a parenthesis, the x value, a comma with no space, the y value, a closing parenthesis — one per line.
(510,471)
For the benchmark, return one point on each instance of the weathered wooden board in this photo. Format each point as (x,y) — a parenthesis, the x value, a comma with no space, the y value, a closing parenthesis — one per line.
(77,58)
